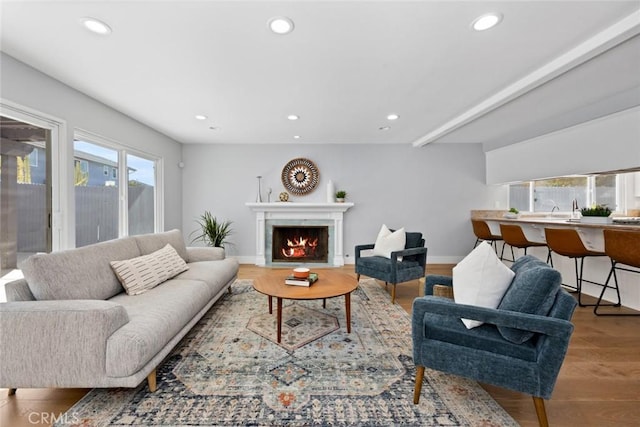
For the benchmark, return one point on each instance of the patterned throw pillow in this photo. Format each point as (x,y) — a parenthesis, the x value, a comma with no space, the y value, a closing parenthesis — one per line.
(140,274)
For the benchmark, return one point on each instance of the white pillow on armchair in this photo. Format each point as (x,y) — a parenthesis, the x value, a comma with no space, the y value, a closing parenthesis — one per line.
(480,279)
(388,242)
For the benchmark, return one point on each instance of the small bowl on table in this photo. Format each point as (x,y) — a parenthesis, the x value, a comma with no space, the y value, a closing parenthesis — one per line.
(301,273)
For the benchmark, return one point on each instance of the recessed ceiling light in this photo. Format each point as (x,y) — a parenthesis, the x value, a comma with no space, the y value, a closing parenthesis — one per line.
(96,26)
(296,136)
(293,117)
(393,117)
(486,21)
(384,128)
(281,25)
(201,117)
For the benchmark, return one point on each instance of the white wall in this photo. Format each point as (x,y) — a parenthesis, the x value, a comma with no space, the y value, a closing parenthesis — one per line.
(605,144)
(429,189)
(27,87)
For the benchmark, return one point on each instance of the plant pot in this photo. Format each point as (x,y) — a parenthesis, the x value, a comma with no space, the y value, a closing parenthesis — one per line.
(596,220)
(340,200)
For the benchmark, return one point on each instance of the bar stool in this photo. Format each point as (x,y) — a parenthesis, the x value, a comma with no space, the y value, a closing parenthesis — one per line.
(514,237)
(483,232)
(623,247)
(567,242)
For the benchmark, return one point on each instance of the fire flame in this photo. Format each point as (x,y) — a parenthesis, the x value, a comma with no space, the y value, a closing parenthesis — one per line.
(300,247)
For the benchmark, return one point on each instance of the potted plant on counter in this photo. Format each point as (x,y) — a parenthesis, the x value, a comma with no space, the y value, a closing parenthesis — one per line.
(597,214)
(513,213)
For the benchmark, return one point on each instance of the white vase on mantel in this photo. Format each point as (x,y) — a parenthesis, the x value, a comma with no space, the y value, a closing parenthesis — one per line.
(331,192)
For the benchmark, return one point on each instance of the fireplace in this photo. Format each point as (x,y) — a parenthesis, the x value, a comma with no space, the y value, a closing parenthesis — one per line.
(300,244)
(328,216)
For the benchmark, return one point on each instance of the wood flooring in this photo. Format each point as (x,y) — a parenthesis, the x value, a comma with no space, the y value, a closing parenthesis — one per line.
(598,385)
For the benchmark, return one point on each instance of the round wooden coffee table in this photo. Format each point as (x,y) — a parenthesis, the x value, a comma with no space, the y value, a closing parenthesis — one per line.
(330,284)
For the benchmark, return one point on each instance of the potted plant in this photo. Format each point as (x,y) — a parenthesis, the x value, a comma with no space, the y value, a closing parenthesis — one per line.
(598,214)
(340,196)
(512,213)
(212,232)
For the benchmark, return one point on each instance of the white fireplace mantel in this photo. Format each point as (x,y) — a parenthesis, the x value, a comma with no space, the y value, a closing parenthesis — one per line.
(333,212)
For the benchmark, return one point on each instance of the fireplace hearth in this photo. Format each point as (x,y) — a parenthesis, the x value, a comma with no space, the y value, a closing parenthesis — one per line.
(300,244)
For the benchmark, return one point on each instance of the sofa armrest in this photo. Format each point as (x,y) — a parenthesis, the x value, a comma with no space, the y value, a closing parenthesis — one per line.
(197,254)
(58,343)
(420,253)
(360,248)
(550,326)
(18,290)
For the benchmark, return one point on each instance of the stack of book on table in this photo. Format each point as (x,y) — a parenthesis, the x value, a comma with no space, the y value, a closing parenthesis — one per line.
(296,281)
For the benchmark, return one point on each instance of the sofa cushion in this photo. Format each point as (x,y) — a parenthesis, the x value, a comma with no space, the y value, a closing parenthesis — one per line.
(533,291)
(145,272)
(216,274)
(388,241)
(413,239)
(480,279)
(155,317)
(82,273)
(152,242)
(524,261)
(485,337)
(378,263)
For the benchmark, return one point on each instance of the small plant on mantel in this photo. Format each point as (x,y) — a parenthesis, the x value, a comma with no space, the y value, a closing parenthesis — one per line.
(212,232)
(341,195)
(597,210)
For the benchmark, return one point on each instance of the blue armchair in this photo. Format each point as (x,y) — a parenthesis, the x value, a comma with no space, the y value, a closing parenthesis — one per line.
(390,270)
(521,345)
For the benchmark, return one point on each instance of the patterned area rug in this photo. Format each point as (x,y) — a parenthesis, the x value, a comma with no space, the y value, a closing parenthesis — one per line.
(228,371)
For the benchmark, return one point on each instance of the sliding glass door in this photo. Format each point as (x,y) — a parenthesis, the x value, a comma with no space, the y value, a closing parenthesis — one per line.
(25,191)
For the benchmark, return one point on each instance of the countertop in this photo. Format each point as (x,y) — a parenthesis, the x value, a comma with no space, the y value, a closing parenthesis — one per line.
(548,219)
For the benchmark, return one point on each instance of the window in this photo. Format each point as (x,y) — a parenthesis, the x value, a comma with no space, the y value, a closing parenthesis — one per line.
(107,208)
(82,165)
(141,185)
(33,158)
(558,194)
(97,217)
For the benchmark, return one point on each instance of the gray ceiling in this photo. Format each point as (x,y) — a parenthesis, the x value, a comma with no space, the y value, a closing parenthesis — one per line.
(347,64)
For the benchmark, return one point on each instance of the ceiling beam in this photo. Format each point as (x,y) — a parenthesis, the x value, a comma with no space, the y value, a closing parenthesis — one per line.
(621,31)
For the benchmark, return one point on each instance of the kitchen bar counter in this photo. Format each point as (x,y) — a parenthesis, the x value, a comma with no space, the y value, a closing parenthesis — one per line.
(596,269)
(557,219)
(533,226)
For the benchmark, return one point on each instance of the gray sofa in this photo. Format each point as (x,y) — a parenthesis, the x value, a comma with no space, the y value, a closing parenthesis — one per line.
(69,323)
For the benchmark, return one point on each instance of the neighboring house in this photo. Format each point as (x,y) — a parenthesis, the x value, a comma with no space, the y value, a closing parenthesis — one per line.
(99,171)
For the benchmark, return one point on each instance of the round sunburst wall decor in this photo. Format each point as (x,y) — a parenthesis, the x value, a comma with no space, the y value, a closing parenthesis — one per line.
(300,176)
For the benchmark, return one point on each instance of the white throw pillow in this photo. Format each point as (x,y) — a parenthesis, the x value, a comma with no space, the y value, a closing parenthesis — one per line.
(142,273)
(388,242)
(480,279)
